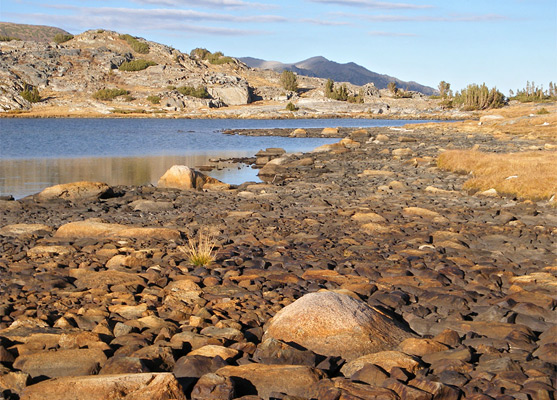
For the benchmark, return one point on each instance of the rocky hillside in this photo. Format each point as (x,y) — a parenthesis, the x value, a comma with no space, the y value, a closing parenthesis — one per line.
(101,72)
(350,72)
(35,33)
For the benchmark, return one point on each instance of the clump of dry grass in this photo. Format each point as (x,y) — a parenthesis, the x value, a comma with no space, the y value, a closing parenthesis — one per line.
(528,175)
(199,250)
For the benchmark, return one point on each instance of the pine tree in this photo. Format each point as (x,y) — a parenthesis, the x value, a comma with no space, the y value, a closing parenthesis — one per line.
(289,80)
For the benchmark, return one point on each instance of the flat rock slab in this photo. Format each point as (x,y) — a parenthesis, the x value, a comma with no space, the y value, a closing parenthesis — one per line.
(144,386)
(55,364)
(15,230)
(75,191)
(334,324)
(95,229)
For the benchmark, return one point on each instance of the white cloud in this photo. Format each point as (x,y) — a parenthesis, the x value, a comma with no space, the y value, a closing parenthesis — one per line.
(203,3)
(426,18)
(374,4)
(121,23)
(165,14)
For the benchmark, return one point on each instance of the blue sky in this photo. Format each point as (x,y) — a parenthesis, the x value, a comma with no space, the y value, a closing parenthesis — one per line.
(503,43)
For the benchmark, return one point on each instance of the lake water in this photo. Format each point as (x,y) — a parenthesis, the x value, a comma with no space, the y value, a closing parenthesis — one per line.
(37,153)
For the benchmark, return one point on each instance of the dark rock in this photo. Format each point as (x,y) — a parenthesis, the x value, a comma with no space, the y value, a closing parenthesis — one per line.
(273,351)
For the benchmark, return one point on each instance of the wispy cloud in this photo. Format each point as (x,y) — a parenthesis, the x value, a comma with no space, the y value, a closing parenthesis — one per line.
(120,22)
(391,34)
(316,21)
(427,18)
(374,4)
(203,3)
(166,14)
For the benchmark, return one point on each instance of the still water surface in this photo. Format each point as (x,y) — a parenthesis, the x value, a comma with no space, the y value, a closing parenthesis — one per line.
(37,153)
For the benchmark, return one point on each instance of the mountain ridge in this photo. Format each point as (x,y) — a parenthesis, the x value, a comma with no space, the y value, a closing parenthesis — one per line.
(321,67)
(36,33)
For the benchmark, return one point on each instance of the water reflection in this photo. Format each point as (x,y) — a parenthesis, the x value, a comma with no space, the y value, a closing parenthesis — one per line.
(22,177)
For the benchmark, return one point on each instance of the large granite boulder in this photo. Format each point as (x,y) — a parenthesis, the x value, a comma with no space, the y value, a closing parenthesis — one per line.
(334,324)
(231,94)
(76,191)
(183,177)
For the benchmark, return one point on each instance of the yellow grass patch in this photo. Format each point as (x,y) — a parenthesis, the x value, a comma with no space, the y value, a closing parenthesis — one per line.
(529,175)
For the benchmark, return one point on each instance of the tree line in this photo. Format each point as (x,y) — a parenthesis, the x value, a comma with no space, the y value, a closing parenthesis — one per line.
(480,97)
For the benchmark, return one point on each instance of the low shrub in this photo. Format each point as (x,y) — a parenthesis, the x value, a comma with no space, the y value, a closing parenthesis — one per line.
(109,94)
(154,99)
(216,58)
(31,94)
(62,37)
(200,92)
(136,65)
(200,53)
(128,97)
(7,38)
(291,107)
(128,111)
(542,111)
(136,45)
(171,87)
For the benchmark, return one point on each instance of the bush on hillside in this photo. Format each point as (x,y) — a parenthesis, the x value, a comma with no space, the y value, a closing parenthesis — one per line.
(136,45)
(216,58)
(136,65)
(199,92)
(154,99)
(31,94)
(109,94)
(62,37)
(291,107)
(7,38)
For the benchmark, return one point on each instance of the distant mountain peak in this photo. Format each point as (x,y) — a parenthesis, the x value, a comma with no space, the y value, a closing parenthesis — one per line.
(321,67)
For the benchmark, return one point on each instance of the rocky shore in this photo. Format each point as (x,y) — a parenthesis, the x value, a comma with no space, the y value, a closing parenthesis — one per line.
(358,271)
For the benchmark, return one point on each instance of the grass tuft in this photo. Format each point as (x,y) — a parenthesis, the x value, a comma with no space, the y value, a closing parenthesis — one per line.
(199,250)
(528,175)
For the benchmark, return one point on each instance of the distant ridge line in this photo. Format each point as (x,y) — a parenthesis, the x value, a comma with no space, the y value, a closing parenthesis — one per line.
(320,67)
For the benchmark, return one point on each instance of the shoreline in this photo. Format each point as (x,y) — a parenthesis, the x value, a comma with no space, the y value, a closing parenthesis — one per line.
(157,116)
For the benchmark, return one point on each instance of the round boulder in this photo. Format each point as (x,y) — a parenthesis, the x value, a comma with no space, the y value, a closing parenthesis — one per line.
(182,177)
(76,191)
(334,324)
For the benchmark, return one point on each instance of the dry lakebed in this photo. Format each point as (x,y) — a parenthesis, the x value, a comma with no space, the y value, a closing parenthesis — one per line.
(359,270)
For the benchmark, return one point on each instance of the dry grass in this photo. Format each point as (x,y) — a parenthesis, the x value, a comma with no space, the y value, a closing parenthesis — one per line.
(529,175)
(515,120)
(199,250)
